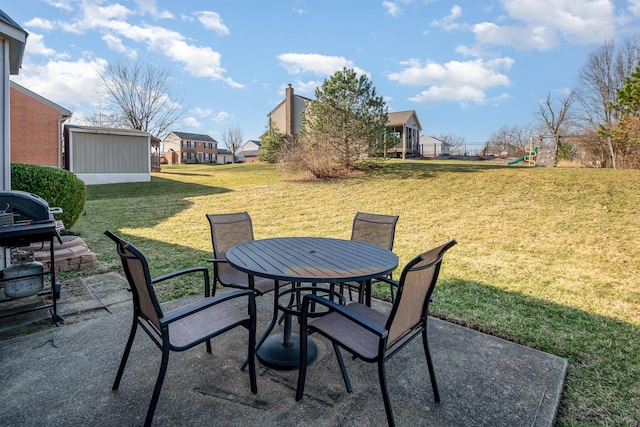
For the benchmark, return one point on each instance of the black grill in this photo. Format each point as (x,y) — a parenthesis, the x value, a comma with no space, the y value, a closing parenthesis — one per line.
(26,218)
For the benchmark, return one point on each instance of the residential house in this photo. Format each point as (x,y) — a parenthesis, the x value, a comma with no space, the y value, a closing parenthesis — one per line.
(287,116)
(184,148)
(224,156)
(99,155)
(36,128)
(250,151)
(406,126)
(432,147)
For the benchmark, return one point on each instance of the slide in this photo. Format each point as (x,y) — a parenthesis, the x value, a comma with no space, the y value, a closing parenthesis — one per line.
(525,157)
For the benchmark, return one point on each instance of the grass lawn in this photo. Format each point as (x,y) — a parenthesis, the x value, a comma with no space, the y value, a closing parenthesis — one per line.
(547,257)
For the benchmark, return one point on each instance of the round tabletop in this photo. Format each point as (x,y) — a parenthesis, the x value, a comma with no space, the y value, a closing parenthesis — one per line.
(312,259)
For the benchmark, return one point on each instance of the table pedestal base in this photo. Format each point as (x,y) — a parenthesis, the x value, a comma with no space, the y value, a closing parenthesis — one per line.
(275,354)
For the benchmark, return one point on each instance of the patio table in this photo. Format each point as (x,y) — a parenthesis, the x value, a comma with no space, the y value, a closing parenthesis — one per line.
(307,260)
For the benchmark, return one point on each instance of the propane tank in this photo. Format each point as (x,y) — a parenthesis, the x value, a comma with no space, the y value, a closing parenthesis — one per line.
(24,277)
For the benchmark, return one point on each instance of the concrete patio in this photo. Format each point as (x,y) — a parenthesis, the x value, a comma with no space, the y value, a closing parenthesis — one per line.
(63,375)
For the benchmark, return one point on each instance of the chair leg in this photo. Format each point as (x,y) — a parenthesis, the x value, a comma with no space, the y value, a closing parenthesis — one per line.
(385,393)
(345,376)
(208,346)
(125,355)
(302,370)
(158,386)
(432,373)
(251,352)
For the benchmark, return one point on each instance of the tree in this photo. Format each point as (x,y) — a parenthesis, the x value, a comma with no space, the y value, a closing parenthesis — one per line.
(556,117)
(272,142)
(510,138)
(139,96)
(626,133)
(346,122)
(599,79)
(454,141)
(232,138)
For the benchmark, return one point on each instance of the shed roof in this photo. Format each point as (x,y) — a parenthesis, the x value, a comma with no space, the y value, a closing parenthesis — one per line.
(98,129)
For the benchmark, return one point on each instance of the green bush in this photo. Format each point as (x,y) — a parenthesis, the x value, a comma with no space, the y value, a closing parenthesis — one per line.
(59,187)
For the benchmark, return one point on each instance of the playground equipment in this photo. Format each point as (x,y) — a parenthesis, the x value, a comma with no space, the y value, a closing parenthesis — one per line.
(529,157)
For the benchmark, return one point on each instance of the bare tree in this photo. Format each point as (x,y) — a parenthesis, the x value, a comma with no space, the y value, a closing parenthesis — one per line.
(232,138)
(599,79)
(510,139)
(454,141)
(140,96)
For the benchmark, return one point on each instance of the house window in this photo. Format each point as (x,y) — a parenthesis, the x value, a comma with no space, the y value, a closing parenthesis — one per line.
(184,155)
(184,143)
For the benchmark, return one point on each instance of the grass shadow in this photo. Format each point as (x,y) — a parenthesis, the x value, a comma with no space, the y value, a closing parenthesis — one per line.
(423,169)
(157,186)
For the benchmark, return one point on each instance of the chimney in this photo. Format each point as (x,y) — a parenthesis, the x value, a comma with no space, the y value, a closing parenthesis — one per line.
(289,111)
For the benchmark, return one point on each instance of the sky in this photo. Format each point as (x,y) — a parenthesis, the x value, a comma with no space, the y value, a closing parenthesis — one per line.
(466,67)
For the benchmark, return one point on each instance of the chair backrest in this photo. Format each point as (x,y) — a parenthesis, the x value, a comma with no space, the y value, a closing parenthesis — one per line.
(136,270)
(376,229)
(228,230)
(415,287)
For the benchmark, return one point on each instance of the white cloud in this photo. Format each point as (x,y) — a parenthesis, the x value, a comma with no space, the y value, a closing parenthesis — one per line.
(35,46)
(634,7)
(447,23)
(191,122)
(60,4)
(392,8)
(43,24)
(308,88)
(115,43)
(149,7)
(463,82)
(212,21)
(66,82)
(222,116)
(202,112)
(320,65)
(541,24)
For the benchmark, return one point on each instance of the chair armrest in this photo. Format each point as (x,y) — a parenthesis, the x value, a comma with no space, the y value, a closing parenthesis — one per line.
(343,311)
(158,279)
(188,310)
(388,280)
(216,260)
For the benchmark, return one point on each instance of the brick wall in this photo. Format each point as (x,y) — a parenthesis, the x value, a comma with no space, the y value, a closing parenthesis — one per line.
(34,131)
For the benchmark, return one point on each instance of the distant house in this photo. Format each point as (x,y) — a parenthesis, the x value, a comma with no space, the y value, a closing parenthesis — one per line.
(406,126)
(184,148)
(287,116)
(250,151)
(99,155)
(36,128)
(432,147)
(224,156)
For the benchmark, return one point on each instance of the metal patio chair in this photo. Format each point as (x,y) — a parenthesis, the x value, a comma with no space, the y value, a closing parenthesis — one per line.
(228,230)
(373,336)
(182,328)
(378,230)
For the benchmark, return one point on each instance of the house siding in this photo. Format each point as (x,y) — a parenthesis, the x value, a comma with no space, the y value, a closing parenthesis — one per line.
(35,131)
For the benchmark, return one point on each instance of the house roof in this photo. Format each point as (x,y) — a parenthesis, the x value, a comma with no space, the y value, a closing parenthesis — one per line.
(224,151)
(17,39)
(194,136)
(250,153)
(63,111)
(400,118)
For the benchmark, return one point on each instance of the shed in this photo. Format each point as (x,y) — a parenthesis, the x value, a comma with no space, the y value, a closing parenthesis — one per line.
(99,155)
